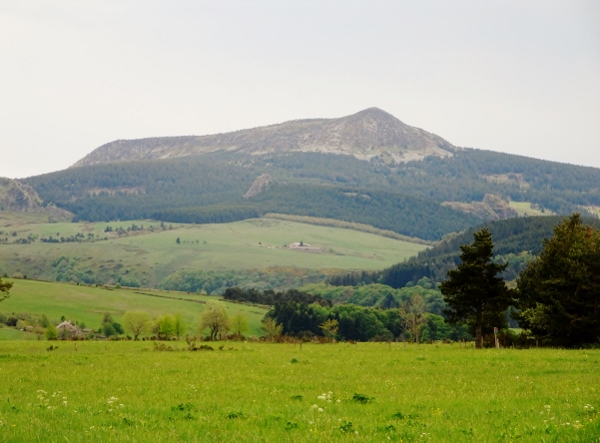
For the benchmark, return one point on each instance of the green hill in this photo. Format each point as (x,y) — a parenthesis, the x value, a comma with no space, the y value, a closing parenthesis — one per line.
(88,304)
(147,253)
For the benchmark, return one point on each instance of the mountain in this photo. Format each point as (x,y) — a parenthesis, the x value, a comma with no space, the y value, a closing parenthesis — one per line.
(367,168)
(365,135)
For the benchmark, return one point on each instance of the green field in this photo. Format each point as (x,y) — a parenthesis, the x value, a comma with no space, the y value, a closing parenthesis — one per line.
(526,209)
(150,256)
(126,391)
(88,305)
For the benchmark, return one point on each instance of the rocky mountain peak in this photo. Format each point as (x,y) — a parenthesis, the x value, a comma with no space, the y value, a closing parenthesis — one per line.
(366,134)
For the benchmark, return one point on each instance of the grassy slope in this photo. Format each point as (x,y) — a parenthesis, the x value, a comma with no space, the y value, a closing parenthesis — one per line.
(249,244)
(525,209)
(124,391)
(88,304)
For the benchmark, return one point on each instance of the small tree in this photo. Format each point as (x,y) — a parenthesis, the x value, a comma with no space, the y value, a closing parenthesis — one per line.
(330,328)
(239,324)
(272,329)
(5,287)
(215,319)
(51,332)
(179,325)
(108,329)
(413,316)
(164,327)
(137,323)
(474,292)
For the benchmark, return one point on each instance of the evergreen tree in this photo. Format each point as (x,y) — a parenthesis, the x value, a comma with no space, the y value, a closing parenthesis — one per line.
(4,289)
(559,292)
(474,292)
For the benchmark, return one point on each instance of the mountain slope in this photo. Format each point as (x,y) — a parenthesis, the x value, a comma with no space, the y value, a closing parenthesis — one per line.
(367,134)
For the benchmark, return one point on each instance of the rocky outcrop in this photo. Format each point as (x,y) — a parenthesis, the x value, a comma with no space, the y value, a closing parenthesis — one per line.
(492,207)
(259,185)
(365,135)
(17,196)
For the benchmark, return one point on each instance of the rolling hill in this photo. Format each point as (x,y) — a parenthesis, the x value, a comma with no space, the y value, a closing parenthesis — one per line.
(89,304)
(190,257)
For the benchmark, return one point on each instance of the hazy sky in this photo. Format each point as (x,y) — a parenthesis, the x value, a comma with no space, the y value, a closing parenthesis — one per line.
(512,76)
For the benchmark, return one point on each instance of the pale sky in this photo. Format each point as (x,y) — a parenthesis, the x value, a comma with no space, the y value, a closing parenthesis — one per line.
(520,76)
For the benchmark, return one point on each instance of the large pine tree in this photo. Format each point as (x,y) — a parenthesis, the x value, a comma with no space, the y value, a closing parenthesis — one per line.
(474,291)
(559,292)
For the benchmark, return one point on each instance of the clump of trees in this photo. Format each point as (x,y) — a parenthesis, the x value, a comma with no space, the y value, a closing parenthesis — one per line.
(559,291)
(557,295)
(110,327)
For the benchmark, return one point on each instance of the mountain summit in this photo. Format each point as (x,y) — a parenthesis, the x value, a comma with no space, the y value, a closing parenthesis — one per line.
(366,134)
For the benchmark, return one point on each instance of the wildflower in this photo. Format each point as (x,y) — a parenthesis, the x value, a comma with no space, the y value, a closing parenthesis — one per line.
(314,407)
(320,409)
(121,405)
(65,403)
(322,397)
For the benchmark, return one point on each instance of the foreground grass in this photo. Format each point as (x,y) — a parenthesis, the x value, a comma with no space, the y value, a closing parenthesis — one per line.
(126,391)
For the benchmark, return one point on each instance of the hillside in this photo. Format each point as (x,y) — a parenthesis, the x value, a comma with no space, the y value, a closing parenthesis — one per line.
(367,134)
(516,241)
(195,258)
(88,304)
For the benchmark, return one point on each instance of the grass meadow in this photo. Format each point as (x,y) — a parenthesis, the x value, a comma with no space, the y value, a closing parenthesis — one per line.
(127,391)
(525,209)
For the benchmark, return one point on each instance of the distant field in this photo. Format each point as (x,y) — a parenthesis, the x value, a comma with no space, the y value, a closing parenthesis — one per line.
(525,208)
(88,305)
(594,210)
(258,392)
(150,256)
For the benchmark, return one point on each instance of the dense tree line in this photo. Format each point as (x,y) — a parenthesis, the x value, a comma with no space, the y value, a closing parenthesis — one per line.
(217,282)
(303,313)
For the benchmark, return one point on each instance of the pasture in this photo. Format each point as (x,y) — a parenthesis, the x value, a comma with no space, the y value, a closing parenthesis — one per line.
(127,391)
(525,209)
(88,304)
(151,255)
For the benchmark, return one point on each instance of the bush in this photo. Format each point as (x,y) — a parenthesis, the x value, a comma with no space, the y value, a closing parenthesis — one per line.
(51,332)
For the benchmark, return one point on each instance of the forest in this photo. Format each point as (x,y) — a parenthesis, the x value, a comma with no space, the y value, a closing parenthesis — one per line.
(405,198)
